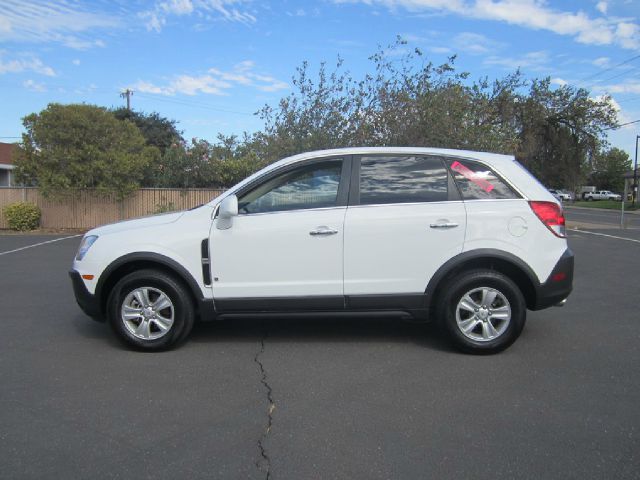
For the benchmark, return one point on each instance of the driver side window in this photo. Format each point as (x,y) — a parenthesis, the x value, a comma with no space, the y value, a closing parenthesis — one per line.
(310,186)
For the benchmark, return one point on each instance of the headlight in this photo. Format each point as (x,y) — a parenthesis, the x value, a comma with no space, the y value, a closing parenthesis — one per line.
(85,246)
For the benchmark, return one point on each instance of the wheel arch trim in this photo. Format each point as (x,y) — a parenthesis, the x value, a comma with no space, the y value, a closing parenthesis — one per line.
(487,254)
(150,257)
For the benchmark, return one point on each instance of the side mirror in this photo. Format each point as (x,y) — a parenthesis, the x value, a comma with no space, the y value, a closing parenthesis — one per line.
(227,210)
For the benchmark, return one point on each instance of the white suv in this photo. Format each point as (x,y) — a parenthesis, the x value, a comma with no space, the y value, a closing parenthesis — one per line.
(470,238)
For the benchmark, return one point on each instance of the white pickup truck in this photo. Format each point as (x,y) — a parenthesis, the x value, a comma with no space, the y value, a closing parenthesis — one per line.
(602,195)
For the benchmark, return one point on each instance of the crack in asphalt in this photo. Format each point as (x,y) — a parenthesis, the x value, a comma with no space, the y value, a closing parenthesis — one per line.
(264,463)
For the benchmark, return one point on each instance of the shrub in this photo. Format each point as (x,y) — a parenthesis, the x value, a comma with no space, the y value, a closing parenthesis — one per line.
(22,216)
(164,208)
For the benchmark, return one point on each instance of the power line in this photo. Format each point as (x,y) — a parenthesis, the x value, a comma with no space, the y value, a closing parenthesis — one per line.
(618,75)
(621,125)
(191,104)
(600,72)
(628,100)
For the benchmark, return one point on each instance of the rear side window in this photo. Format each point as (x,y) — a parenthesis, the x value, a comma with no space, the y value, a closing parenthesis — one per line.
(478,182)
(402,179)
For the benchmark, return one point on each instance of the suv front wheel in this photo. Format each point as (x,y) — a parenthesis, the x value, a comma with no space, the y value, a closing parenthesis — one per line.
(150,310)
(483,311)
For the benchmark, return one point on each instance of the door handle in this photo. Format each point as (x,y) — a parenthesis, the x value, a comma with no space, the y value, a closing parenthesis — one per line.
(444,225)
(322,231)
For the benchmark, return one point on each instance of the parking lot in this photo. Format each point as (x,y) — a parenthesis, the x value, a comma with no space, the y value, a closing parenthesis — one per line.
(371,399)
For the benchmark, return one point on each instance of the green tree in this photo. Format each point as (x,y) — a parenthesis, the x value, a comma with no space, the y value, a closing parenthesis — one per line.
(80,146)
(205,165)
(186,166)
(409,101)
(158,131)
(609,168)
(405,101)
(562,131)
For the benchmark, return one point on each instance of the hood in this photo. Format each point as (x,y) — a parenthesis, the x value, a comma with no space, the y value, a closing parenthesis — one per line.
(143,222)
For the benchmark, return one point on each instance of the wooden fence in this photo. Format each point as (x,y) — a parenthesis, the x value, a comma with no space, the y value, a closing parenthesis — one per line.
(86,209)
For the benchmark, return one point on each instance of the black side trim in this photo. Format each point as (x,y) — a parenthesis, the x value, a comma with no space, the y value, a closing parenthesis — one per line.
(86,301)
(206,261)
(404,302)
(279,304)
(205,306)
(374,314)
(554,291)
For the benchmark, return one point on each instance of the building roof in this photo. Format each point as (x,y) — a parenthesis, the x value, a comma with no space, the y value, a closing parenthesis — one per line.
(6,150)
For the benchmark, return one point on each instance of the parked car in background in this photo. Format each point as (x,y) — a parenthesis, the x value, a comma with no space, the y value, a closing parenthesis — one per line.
(602,195)
(561,194)
(468,238)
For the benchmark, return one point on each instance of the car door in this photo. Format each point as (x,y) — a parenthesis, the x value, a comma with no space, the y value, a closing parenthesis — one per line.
(284,249)
(405,219)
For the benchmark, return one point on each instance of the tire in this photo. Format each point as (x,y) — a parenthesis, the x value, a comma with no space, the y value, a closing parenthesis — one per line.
(475,326)
(137,323)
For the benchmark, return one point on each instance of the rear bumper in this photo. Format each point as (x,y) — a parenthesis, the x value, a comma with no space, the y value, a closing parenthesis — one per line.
(559,284)
(86,301)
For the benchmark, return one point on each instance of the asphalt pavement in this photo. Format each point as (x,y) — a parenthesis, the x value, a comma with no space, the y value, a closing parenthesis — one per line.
(370,399)
(607,222)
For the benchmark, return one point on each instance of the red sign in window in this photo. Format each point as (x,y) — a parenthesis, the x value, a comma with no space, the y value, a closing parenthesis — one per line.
(471,176)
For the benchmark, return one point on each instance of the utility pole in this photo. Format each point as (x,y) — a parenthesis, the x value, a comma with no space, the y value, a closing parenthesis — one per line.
(127,94)
(635,174)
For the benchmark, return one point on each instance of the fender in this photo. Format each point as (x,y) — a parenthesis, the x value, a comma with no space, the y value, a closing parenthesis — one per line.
(205,305)
(479,254)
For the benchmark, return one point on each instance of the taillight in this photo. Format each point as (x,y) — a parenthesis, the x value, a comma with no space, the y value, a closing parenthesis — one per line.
(550,213)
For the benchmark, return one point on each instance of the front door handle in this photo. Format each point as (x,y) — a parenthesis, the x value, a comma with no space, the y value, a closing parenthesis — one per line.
(444,225)
(323,231)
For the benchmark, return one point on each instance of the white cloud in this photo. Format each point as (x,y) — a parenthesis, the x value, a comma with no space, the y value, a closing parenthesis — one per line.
(622,116)
(475,43)
(532,14)
(25,63)
(148,87)
(602,7)
(34,86)
(66,22)
(440,50)
(631,86)
(215,82)
(75,61)
(5,26)
(300,12)
(602,62)
(80,44)
(559,81)
(156,18)
(533,61)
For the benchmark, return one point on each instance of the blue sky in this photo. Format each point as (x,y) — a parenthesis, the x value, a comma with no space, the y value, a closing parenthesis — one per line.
(209,64)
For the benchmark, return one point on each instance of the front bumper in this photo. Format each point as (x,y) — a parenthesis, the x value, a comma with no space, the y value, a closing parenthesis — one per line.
(559,284)
(88,302)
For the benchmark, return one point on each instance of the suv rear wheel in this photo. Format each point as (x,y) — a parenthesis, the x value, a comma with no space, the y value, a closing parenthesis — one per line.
(483,311)
(150,310)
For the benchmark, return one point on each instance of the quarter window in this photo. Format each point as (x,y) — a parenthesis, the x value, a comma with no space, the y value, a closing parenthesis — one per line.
(402,179)
(478,182)
(311,186)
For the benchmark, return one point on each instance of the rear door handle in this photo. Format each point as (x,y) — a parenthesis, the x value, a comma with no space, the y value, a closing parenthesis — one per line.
(323,231)
(444,225)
